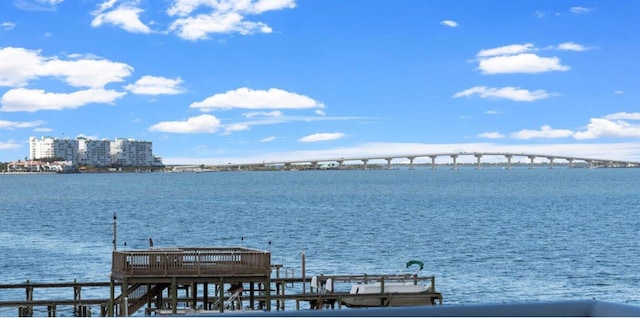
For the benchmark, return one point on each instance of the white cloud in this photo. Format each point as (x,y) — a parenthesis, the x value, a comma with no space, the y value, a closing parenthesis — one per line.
(268,139)
(491,135)
(229,129)
(516,58)
(32,100)
(602,127)
(42,129)
(618,92)
(492,112)
(200,124)
(193,19)
(256,99)
(322,137)
(623,115)
(570,46)
(507,50)
(92,73)
(512,93)
(10,145)
(221,17)
(449,23)
(155,85)
(11,125)
(18,66)
(580,10)
(544,132)
(7,26)
(125,16)
(200,26)
(521,63)
(38,5)
(50,2)
(275,113)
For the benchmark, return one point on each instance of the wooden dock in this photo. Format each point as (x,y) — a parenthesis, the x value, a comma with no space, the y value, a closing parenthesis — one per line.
(204,279)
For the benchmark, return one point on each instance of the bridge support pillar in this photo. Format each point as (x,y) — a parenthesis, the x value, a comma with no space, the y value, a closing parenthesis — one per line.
(455,164)
(532,158)
(570,163)
(433,162)
(589,164)
(478,156)
(509,161)
(551,162)
(314,165)
(340,162)
(364,161)
(411,162)
(388,163)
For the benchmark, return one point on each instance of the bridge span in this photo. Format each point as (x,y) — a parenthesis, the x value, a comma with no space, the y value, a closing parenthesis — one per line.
(589,162)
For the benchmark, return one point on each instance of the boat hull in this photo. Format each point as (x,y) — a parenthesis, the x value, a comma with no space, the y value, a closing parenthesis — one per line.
(388,300)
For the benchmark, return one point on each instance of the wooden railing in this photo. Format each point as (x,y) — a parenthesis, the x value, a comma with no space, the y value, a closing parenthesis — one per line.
(189,261)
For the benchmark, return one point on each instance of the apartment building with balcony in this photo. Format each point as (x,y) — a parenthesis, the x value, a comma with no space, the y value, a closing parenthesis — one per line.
(101,153)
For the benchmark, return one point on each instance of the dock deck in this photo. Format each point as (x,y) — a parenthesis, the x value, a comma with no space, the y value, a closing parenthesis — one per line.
(207,279)
(191,262)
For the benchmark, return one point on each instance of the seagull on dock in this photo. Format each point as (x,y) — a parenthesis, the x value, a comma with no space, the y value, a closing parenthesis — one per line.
(150,243)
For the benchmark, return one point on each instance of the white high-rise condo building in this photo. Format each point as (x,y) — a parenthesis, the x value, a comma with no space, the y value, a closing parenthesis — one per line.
(93,152)
(53,148)
(101,153)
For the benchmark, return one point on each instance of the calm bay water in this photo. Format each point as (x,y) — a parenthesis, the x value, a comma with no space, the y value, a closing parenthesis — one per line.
(488,235)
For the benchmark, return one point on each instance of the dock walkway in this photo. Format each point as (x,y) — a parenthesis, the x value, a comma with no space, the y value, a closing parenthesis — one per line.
(204,279)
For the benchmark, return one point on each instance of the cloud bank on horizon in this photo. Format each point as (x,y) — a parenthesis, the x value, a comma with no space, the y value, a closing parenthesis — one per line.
(215,81)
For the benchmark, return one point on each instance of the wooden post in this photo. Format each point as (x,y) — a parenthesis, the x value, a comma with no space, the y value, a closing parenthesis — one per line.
(304,285)
(149,297)
(252,298)
(267,288)
(77,296)
(160,298)
(29,291)
(114,231)
(51,310)
(125,291)
(112,297)
(283,293)
(174,295)
(221,294)
(194,295)
(433,284)
(205,296)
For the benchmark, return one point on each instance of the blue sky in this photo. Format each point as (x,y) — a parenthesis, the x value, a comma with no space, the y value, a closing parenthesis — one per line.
(249,81)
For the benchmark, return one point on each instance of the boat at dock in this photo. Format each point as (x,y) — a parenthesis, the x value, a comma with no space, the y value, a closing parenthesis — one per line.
(392,295)
(398,291)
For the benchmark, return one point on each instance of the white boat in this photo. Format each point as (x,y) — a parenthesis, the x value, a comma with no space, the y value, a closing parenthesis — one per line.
(393,295)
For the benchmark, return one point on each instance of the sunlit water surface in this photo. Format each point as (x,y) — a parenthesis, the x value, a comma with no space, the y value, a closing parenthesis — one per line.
(488,235)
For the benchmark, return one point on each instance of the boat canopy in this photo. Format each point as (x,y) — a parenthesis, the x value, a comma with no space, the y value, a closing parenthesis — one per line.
(414,262)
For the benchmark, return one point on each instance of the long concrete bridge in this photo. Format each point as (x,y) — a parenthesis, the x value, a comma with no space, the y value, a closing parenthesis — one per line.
(589,162)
